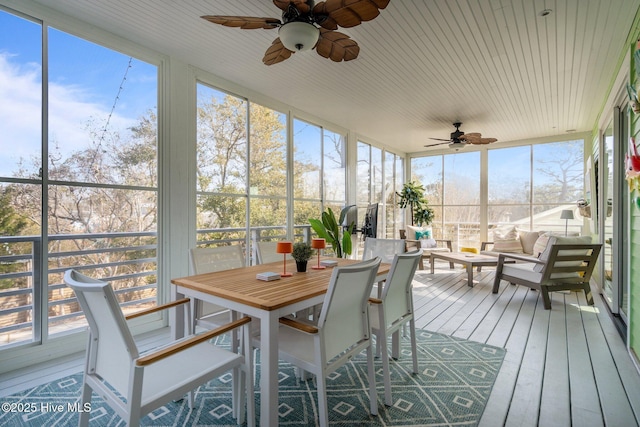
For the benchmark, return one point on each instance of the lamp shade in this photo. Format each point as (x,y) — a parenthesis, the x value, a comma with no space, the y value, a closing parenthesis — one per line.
(284,247)
(318,243)
(566,214)
(299,36)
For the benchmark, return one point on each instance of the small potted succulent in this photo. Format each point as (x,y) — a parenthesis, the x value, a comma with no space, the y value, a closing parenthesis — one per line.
(301,253)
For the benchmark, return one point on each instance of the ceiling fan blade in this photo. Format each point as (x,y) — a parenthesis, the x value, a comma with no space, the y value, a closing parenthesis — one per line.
(244,22)
(440,143)
(441,139)
(471,135)
(336,46)
(483,141)
(348,13)
(301,5)
(276,53)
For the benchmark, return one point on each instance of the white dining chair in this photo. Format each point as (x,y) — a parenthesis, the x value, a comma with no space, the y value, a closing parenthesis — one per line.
(115,369)
(208,260)
(342,331)
(266,252)
(385,249)
(392,311)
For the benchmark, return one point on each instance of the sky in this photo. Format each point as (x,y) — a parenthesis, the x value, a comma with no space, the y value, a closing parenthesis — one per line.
(84,82)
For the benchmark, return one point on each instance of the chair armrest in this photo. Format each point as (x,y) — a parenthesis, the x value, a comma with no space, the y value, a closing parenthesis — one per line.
(483,245)
(190,342)
(525,258)
(156,308)
(295,324)
(375,300)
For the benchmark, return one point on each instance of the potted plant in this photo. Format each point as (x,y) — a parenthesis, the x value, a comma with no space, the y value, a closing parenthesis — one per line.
(328,228)
(301,253)
(412,195)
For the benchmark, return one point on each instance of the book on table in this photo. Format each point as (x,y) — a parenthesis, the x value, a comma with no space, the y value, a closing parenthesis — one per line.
(268,276)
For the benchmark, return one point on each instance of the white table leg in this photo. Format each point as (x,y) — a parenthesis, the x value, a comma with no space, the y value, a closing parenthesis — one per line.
(269,369)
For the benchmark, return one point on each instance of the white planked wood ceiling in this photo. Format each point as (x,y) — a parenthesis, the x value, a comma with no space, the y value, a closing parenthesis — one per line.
(496,65)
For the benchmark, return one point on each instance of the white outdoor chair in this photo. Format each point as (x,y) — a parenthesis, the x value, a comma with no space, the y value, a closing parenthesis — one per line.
(562,266)
(266,252)
(392,311)
(114,367)
(208,260)
(385,249)
(342,331)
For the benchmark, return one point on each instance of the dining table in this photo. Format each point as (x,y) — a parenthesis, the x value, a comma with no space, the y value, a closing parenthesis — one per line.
(240,291)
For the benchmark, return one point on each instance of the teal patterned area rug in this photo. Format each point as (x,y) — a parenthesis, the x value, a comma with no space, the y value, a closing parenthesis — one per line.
(454,382)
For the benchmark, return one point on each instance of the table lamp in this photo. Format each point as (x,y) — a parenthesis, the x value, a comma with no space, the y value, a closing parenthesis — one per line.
(566,214)
(284,248)
(318,244)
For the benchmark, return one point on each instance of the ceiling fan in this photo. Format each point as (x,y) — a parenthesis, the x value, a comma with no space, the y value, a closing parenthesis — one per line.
(459,139)
(306,25)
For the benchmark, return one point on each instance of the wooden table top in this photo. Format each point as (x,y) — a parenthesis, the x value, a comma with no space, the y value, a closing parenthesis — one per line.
(241,285)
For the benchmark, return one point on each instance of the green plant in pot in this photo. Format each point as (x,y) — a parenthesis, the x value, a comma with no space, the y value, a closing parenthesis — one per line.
(329,228)
(412,196)
(301,253)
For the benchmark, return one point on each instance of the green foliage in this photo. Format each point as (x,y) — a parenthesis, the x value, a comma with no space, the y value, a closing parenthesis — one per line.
(11,224)
(412,195)
(301,251)
(329,229)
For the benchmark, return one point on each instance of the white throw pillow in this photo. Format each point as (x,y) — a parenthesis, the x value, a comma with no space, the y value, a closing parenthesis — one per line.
(428,243)
(507,232)
(511,246)
(505,239)
(417,233)
(528,240)
(541,244)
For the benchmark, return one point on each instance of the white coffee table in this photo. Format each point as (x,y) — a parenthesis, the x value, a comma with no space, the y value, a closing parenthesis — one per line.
(469,260)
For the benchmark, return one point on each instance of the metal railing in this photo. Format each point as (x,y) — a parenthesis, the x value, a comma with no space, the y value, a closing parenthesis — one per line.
(127,260)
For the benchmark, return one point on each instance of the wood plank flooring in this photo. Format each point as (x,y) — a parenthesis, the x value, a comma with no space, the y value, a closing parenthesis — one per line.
(567,366)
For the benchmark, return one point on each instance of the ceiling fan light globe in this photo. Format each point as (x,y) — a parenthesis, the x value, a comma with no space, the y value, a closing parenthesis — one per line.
(456,145)
(299,36)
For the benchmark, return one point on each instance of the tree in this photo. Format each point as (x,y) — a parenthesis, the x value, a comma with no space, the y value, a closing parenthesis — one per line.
(565,173)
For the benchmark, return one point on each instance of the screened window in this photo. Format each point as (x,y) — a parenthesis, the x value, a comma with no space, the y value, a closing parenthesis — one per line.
(452,189)
(380,174)
(319,171)
(97,186)
(527,186)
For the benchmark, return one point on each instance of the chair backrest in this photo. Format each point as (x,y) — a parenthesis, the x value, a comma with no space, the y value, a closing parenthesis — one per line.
(396,292)
(266,252)
(385,249)
(208,260)
(571,262)
(111,346)
(344,319)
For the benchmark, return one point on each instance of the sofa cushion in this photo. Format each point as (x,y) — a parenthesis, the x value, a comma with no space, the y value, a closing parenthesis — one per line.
(559,240)
(528,240)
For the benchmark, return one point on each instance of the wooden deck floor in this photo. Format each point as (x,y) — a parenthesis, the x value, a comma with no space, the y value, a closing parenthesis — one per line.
(567,366)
